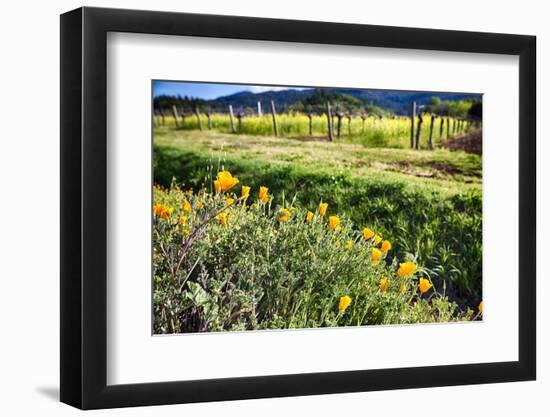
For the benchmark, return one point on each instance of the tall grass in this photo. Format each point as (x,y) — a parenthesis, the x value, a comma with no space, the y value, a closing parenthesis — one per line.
(371,132)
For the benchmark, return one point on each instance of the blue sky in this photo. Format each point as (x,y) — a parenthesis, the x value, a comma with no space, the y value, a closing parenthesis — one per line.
(206,90)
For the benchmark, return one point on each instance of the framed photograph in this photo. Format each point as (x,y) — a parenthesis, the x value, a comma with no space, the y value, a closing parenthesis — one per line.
(256,208)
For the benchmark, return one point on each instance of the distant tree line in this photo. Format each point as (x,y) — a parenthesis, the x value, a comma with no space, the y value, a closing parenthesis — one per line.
(344,103)
(313,103)
(467,108)
(165,102)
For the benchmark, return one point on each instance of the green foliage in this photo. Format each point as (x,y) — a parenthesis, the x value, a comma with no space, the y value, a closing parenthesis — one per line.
(455,108)
(443,232)
(476,111)
(254,270)
(166,102)
(346,103)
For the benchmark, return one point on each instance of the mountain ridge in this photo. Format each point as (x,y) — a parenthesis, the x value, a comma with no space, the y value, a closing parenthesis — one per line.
(395,101)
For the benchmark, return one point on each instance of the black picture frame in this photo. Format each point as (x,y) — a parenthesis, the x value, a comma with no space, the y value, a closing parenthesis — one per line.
(84,207)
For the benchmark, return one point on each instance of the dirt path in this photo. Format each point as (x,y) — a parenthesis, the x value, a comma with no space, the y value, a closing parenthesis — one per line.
(471,143)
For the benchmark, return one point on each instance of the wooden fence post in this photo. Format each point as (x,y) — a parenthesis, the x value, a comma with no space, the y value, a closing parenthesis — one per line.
(274,116)
(413,115)
(339,115)
(183,116)
(418,129)
(430,140)
(349,124)
(259,108)
(448,127)
(198,117)
(175,113)
(240,116)
(441,126)
(231,119)
(162,117)
(310,117)
(330,121)
(209,120)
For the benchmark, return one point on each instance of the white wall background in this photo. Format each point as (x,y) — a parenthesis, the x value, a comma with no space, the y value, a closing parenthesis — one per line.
(29,219)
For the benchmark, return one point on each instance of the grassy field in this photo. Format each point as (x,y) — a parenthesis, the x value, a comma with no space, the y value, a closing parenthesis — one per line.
(427,203)
(439,169)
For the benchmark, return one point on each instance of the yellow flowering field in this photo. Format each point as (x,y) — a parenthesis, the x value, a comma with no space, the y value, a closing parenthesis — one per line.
(372,131)
(232,256)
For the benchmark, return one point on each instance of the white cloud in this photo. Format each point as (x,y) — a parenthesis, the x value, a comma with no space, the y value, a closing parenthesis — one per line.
(261,88)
